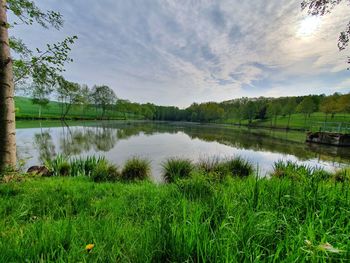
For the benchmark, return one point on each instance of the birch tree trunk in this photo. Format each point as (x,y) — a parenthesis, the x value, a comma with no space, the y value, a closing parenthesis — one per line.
(7,105)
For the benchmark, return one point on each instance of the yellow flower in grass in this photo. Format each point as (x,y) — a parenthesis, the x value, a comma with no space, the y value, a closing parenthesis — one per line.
(89,247)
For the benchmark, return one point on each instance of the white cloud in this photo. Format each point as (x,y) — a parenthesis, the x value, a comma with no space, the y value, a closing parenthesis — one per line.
(179,51)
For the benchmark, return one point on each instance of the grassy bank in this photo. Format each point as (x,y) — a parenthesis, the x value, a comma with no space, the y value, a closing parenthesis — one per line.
(25,109)
(194,219)
(297,121)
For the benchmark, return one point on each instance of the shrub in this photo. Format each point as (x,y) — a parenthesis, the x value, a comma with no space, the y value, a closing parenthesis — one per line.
(103,172)
(175,168)
(136,169)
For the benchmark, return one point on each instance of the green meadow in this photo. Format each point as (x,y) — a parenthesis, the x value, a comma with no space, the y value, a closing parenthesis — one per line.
(204,214)
(25,109)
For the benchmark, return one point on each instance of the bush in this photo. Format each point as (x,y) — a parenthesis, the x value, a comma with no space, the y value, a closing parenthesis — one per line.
(104,172)
(136,169)
(175,168)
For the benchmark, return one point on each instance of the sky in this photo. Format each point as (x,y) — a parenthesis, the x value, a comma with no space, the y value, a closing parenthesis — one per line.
(176,52)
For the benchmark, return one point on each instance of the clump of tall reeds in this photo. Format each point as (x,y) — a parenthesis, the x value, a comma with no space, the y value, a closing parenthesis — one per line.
(105,172)
(295,171)
(235,167)
(136,169)
(177,168)
(85,166)
(59,166)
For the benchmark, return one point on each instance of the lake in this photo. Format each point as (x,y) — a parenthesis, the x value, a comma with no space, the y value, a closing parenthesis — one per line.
(157,141)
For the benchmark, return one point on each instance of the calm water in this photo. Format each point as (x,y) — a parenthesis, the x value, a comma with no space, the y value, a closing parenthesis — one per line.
(118,141)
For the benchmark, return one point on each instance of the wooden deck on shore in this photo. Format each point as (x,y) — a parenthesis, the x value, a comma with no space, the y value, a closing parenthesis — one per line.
(329,138)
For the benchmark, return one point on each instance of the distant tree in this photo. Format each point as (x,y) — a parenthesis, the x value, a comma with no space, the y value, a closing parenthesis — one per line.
(324,7)
(306,107)
(40,95)
(329,105)
(273,110)
(344,103)
(69,93)
(85,98)
(289,108)
(249,110)
(104,97)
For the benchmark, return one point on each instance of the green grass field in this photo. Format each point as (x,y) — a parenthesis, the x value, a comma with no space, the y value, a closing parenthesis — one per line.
(25,109)
(192,220)
(297,121)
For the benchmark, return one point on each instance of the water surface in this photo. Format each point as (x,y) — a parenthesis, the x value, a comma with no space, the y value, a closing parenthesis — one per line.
(157,141)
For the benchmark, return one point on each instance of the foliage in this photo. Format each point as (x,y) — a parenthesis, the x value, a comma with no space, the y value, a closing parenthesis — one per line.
(295,171)
(103,172)
(342,175)
(69,93)
(238,167)
(103,96)
(85,166)
(136,169)
(59,166)
(175,168)
(209,164)
(195,220)
(324,7)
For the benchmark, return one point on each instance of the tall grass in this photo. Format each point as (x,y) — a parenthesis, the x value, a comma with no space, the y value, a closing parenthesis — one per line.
(176,168)
(59,166)
(194,220)
(295,171)
(236,167)
(136,169)
(104,171)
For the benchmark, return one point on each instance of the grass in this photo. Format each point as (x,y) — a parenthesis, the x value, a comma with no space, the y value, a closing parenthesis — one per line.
(105,172)
(25,109)
(294,171)
(136,169)
(234,167)
(193,220)
(177,168)
(297,121)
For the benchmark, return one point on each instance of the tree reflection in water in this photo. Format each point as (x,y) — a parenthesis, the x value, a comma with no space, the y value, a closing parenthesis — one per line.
(104,136)
(46,148)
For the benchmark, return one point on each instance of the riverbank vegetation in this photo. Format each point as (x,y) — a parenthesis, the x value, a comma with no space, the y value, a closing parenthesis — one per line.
(304,112)
(196,218)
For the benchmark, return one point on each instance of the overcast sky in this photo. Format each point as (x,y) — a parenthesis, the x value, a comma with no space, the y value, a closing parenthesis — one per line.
(175,52)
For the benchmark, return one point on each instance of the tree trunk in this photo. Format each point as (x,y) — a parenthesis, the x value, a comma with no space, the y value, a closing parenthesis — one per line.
(7,104)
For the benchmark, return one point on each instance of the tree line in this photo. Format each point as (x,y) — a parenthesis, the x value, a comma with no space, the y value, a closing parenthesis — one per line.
(103,98)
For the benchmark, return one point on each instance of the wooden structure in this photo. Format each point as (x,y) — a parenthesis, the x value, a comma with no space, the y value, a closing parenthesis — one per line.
(331,133)
(336,139)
